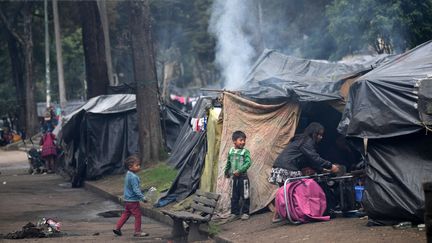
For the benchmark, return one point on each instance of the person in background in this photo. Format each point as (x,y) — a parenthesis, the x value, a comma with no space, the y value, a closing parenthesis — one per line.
(49,150)
(301,158)
(47,123)
(132,195)
(53,116)
(238,163)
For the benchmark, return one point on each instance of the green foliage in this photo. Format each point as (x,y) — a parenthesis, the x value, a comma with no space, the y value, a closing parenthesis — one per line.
(213,229)
(160,176)
(321,29)
(357,25)
(8,102)
(73,63)
(297,28)
(183,25)
(417,16)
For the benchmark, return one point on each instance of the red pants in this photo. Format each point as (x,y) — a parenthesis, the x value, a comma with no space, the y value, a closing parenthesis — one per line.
(134,209)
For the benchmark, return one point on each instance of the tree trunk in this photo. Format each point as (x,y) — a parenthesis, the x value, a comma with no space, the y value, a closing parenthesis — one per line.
(94,49)
(31,118)
(150,135)
(26,42)
(104,19)
(15,55)
(59,56)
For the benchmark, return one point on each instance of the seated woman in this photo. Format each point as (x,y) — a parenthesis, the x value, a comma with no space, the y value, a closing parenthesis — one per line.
(301,154)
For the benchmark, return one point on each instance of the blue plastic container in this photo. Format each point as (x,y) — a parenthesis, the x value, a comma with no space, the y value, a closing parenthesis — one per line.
(358,193)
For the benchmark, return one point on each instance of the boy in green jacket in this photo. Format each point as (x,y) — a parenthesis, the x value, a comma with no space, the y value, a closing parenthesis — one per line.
(238,163)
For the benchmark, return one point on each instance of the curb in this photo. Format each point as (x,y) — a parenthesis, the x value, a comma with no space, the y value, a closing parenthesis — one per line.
(151,213)
(148,212)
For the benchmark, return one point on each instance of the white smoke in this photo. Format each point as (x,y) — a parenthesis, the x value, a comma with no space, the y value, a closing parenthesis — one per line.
(231,24)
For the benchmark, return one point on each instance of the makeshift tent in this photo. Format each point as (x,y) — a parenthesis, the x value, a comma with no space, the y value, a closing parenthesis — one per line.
(279,87)
(269,114)
(98,136)
(389,108)
(188,156)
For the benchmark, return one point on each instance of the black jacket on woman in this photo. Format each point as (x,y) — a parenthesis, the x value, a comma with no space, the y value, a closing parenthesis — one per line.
(301,153)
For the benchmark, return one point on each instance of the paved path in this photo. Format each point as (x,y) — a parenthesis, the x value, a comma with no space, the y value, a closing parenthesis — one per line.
(27,198)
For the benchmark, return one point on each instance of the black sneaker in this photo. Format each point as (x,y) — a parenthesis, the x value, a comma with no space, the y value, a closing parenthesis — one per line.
(117,232)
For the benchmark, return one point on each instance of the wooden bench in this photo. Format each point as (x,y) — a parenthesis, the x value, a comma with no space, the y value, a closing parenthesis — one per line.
(203,207)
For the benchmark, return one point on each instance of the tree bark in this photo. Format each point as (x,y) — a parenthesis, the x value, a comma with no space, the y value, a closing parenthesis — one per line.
(31,118)
(59,56)
(147,95)
(94,49)
(15,55)
(104,19)
(26,42)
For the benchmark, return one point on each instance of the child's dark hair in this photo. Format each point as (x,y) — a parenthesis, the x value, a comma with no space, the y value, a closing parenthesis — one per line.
(238,134)
(131,160)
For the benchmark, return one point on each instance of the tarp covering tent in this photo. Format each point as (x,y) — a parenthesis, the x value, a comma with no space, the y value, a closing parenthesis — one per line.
(384,102)
(188,156)
(277,77)
(396,169)
(388,107)
(98,136)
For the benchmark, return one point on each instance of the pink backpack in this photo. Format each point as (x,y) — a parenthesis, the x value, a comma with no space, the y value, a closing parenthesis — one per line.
(306,201)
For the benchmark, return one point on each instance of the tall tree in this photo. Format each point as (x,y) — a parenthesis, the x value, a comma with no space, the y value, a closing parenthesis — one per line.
(16,61)
(59,55)
(25,39)
(147,94)
(104,19)
(386,25)
(94,49)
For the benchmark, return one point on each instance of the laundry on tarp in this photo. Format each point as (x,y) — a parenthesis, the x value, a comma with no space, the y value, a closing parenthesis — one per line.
(198,124)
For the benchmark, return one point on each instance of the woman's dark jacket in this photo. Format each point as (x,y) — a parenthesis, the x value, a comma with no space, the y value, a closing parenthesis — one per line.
(301,153)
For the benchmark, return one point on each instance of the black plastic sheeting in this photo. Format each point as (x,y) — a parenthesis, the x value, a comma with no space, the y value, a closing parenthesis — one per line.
(172,123)
(276,77)
(425,101)
(103,132)
(383,102)
(396,169)
(188,156)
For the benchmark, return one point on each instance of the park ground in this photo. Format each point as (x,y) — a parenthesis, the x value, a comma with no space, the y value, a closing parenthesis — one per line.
(78,208)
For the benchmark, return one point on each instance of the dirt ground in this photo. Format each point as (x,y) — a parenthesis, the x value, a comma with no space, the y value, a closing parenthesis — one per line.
(27,198)
(12,160)
(260,229)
